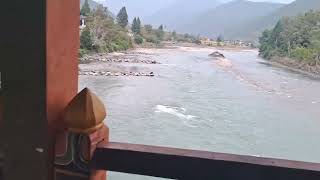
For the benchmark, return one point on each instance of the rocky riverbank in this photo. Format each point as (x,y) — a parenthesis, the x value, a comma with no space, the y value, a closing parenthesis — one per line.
(108,73)
(294,65)
(120,57)
(136,62)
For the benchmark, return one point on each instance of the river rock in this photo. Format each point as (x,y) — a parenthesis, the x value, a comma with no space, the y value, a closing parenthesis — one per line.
(217,54)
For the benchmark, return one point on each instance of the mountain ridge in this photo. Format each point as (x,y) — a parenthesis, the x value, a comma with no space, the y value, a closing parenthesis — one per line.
(226,17)
(251,30)
(180,11)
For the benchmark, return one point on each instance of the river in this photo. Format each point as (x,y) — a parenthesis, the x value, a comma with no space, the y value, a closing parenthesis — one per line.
(196,102)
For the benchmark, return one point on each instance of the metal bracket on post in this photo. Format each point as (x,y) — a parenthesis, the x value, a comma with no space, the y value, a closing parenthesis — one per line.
(85,132)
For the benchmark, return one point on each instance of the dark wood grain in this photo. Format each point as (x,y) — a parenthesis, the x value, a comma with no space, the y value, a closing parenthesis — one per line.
(39,77)
(187,164)
(23,56)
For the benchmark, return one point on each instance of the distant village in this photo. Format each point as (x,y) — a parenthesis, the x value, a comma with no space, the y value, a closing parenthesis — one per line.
(226,43)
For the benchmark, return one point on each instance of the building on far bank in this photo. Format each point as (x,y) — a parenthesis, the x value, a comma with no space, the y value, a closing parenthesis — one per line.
(83,23)
(209,42)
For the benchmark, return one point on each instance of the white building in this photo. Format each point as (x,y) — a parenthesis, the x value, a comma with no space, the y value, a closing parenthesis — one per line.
(82,21)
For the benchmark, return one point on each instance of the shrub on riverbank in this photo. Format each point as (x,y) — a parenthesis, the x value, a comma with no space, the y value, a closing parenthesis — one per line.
(86,42)
(102,34)
(297,38)
(138,39)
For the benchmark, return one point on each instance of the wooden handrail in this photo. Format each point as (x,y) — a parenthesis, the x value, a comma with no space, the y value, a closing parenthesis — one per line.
(188,164)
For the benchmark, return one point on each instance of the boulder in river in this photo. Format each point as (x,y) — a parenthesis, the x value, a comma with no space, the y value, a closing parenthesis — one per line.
(217,54)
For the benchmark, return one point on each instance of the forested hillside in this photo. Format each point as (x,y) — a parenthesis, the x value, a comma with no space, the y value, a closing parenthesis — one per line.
(252,29)
(297,38)
(103,33)
(239,19)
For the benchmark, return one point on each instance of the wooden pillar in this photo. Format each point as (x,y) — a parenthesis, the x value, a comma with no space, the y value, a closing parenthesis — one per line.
(39,43)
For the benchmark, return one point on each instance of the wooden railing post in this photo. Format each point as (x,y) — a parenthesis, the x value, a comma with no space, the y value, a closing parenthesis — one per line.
(85,132)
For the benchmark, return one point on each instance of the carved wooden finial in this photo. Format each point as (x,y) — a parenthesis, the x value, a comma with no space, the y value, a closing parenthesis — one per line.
(85,113)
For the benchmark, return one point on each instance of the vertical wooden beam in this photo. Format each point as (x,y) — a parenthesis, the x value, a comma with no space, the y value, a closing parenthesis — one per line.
(23,49)
(62,56)
(38,46)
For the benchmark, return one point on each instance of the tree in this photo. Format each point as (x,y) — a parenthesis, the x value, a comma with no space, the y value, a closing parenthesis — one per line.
(160,33)
(122,17)
(136,26)
(106,34)
(139,23)
(219,40)
(85,10)
(101,12)
(86,39)
(174,34)
(295,37)
(196,39)
(161,27)
(148,28)
(265,46)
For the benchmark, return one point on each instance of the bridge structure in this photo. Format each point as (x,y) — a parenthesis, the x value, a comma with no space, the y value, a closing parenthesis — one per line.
(49,131)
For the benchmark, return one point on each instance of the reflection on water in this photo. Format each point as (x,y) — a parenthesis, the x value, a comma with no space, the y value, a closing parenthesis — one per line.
(247,108)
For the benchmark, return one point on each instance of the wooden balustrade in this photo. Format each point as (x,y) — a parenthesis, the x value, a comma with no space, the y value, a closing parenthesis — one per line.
(189,164)
(84,152)
(88,154)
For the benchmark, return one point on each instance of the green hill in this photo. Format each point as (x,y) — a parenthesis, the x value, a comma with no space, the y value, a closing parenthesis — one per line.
(297,38)
(252,29)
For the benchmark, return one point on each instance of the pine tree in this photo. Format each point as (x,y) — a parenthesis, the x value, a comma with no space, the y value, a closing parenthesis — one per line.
(219,40)
(86,39)
(160,33)
(161,27)
(122,17)
(85,10)
(136,26)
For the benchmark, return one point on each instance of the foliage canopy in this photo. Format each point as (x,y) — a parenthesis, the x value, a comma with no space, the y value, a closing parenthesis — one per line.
(297,38)
(122,17)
